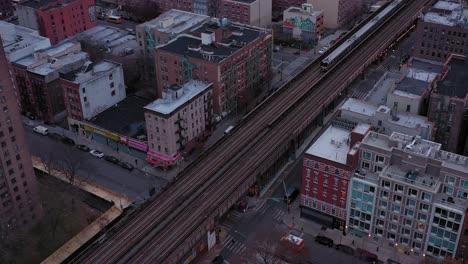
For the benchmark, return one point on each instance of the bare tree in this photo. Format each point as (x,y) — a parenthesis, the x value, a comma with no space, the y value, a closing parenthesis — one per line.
(143,10)
(265,252)
(50,161)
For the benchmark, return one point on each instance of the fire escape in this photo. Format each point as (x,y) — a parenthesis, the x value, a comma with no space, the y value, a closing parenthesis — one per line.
(231,89)
(187,69)
(181,130)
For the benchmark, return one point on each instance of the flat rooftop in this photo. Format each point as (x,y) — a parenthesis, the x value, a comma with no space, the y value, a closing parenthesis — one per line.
(447,13)
(360,107)
(125,118)
(168,105)
(175,21)
(108,38)
(64,61)
(298,10)
(428,66)
(332,145)
(50,52)
(16,39)
(410,176)
(191,46)
(455,82)
(95,70)
(410,86)
(37,4)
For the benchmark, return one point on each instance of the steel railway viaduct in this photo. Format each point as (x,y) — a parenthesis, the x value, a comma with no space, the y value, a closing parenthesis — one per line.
(172,224)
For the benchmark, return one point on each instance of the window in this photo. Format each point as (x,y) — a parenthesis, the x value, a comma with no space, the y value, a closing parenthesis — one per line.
(398,188)
(112,85)
(113,93)
(396,208)
(386,184)
(411,203)
(426,196)
(397,198)
(422,217)
(365,165)
(408,107)
(85,99)
(409,212)
(379,159)
(83,89)
(450,180)
(384,194)
(366,155)
(412,192)
(448,190)
(423,206)
(464,184)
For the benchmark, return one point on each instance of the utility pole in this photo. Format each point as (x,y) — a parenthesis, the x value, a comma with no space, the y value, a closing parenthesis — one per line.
(281,68)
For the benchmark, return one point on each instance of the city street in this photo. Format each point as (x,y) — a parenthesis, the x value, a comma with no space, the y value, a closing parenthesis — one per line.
(134,184)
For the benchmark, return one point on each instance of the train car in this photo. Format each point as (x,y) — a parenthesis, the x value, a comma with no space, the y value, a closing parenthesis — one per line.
(359,35)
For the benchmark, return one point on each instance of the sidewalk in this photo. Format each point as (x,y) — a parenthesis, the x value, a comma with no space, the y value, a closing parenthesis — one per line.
(380,248)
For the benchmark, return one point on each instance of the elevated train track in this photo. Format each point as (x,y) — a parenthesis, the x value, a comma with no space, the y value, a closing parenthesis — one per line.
(170,225)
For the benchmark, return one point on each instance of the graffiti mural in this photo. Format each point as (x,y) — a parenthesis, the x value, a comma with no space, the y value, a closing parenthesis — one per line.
(299,22)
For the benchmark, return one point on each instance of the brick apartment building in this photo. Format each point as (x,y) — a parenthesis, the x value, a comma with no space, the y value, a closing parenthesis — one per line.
(231,56)
(251,12)
(327,169)
(6,8)
(200,7)
(305,23)
(19,195)
(175,122)
(92,89)
(448,106)
(160,30)
(336,12)
(38,79)
(409,193)
(442,31)
(57,19)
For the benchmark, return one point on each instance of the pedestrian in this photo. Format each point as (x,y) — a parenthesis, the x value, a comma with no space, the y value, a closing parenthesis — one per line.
(136,162)
(377,249)
(117,149)
(352,243)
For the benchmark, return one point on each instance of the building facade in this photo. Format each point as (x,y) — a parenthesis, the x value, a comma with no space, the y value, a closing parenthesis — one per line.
(305,23)
(176,121)
(448,106)
(416,194)
(327,169)
(92,89)
(57,19)
(442,31)
(250,12)
(235,58)
(38,80)
(19,42)
(20,205)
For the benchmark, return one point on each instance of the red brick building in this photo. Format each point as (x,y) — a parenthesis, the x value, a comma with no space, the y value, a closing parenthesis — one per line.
(58,19)
(234,57)
(251,12)
(38,80)
(19,195)
(327,169)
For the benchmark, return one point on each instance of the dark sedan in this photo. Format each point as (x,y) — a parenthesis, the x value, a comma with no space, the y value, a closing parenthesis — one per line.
(111,159)
(126,165)
(83,148)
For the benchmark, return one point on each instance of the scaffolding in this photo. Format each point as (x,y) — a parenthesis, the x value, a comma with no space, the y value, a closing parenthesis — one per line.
(149,41)
(231,88)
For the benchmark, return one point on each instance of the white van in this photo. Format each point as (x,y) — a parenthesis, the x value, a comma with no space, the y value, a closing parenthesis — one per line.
(228,130)
(41,130)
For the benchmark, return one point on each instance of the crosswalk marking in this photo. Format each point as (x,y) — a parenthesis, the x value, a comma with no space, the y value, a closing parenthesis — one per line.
(392,68)
(279,214)
(262,207)
(236,247)
(359,95)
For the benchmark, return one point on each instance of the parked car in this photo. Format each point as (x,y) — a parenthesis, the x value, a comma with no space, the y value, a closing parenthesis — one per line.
(96,153)
(218,260)
(291,194)
(83,148)
(126,165)
(55,136)
(345,248)
(322,50)
(111,159)
(41,130)
(365,255)
(343,34)
(30,116)
(324,240)
(332,42)
(68,141)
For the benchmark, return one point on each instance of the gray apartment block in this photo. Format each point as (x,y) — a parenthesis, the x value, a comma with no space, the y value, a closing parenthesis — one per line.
(410,194)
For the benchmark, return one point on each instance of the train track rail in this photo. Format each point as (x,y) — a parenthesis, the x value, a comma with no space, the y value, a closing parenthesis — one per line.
(171,219)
